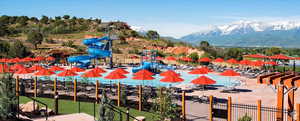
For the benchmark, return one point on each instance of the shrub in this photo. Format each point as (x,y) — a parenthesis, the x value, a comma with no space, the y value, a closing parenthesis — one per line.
(245,118)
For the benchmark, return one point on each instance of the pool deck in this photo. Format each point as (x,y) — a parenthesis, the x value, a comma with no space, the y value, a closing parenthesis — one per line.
(69,117)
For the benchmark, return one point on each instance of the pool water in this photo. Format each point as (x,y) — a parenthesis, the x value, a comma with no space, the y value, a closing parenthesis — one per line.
(220,80)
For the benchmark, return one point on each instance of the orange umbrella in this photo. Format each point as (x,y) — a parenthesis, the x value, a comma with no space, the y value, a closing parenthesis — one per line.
(91,74)
(50,58)
(188,59)
(77,69)
(120,70)
(172,79)
(257,63)
(115,75)
(203,80)
(271,63)
(39,58)
(169,73)
(27,59)
(171,58)
(232,61)
(4,68)
(245,62)
(44,72)
(255,56)
(56,68)
(143,71)
(219,60)
(159,58)
(36,68)
(23,71)
(4,60)
(280,57)
(67,73)
(230,73)
(15,60)
(99,70)
(203,70)
(142,76)
(17,67)
(206,59)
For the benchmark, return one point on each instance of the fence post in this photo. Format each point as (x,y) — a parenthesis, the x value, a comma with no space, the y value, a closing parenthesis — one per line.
(229,109)
(211,108)
(183,106)
(55,86)
(140,98)
(119,94)
(96,93)
(127,114)
(280,101)
(56,103)
(298,112)
(17,86)
(75,90)
(35,87)
(291,104)
(258,110)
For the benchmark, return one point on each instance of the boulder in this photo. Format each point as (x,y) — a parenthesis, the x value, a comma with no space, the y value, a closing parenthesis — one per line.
(140,118)
(29,107)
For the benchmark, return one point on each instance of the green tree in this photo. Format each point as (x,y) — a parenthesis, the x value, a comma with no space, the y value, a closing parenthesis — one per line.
(35,38)
(8,100)
(273,51)
(66,16)
(4,47)
(17,49)
(204,44)
(194,56)
(245,118)
(44,19)
(105,112)
(57,18)
(234,53)
(152,35)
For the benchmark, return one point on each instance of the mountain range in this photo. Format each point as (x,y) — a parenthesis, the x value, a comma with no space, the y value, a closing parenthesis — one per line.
(250,34)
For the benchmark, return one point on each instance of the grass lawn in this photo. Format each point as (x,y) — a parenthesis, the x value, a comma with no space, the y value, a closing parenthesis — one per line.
(68,107)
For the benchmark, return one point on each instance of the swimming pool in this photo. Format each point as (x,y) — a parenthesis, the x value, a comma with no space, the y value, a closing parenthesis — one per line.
(220,80)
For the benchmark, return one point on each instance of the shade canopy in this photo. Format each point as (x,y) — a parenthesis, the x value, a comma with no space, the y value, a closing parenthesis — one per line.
(219,60)
(280,57)
(229,73)
(245,62)
(50,58)
(205,59)
(172,79)
(256,56)
(23,71)
(98,70)
(4,68)
(27,59)
(169,73)
(203,70)
(56,68)
(44,72)
(67,73)
(91,74)
(273,63)
(203,80)
(39,58)
(232,61)
(171,58)
(143,77)
(115,75)
(188,59)
(121,70)
(143,72)
(257,63)
(77,69)
(36,68)
(17,67)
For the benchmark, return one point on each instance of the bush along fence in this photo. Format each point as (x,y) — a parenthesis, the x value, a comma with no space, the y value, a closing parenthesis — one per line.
(243,112)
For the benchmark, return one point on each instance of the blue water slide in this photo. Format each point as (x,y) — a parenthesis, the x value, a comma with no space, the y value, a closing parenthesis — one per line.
(145,65)
(96,49)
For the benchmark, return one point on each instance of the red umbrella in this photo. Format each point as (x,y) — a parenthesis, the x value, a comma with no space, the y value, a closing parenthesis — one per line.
(99,70)
(188,59)
(219,60)
(203,70)
(77,69)
(15,60)
(4,60)
(23,71)
(256,56)
(56,68)
(169,73)
(159,58)
(36,68)
(171,58)
(4,68)
(39,58)
(297,58)
(172,79)
(143,77)
(280,57)
(50,58)
(206,59)
(245,62)
(115,75)
(120,70)
(143,71)
(91,74)
(17,67)
(27,59)
(271,63)
(232,61)
(257,63)
(44,72)
(230,73)
(203,80)
(67,73)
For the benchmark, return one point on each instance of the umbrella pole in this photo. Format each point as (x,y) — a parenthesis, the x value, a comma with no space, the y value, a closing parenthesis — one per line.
(35,87)
(140,98)
(119,94)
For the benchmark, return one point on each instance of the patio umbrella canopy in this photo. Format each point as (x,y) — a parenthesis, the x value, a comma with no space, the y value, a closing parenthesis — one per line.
(256,56)
(203,70)
(120,70)
(67,73)
(143,77)
(23,71)
(99,70)
(39,58)
(115,75)
(219,60)
(44,72)
(206,59)
(280,57)
(257,63)
(203,80)
(143,71)
(273,63)
(245,62)
(50,58)
(232,61)
(17,67)
(56,68)
(27,59)
(91,74)
(77,69)
(4,68)
(36,68)
(171,58)
(229,73)
(172,79)
(169,73)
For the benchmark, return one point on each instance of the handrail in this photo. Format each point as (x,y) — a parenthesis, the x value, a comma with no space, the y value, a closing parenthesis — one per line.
(127,113)
(35,100)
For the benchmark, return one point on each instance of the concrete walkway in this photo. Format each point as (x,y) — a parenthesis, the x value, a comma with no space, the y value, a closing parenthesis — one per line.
(68,117)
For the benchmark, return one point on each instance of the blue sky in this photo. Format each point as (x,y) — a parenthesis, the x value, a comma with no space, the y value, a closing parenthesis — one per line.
(169,17)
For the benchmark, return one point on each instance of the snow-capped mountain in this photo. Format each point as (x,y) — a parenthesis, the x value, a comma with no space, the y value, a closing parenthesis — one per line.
(253,33)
